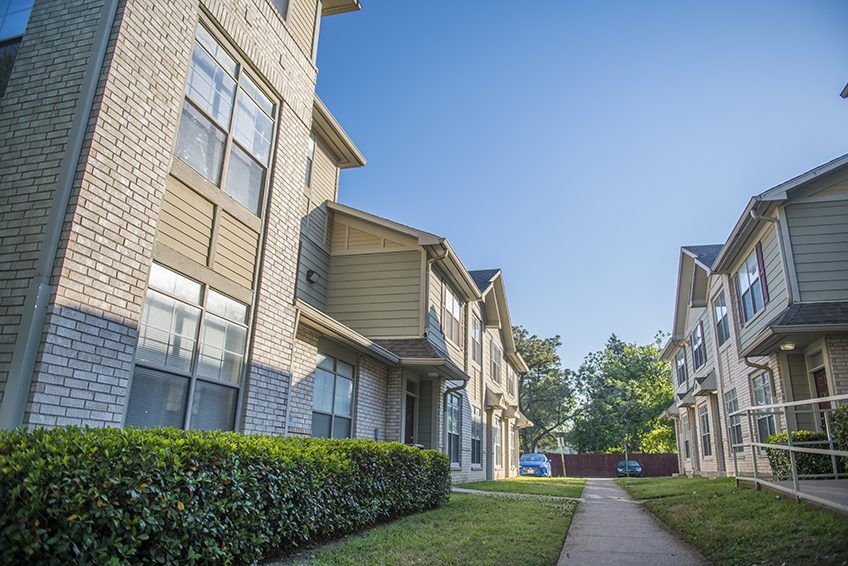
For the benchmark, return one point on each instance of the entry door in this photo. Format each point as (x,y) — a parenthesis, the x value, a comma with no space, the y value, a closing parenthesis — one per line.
(409,424)
(820,379)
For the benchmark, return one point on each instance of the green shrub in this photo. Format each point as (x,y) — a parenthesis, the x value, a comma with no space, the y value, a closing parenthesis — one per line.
(839,423)
(805,463)
(74,495)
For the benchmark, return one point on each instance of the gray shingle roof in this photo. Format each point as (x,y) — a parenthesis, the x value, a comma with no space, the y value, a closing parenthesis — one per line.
(411,348)
(705,254)
(802,314)
(482,277)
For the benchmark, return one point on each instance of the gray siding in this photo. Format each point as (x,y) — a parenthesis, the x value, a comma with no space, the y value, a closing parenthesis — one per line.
(778,298)
(314,257)
(434,325)
(800,388)
(377,294)
(819,238)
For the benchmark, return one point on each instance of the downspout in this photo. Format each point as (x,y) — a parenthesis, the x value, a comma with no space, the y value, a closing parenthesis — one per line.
(31,327)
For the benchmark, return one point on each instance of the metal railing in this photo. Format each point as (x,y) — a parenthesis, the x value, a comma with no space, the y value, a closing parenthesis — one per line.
(821,409)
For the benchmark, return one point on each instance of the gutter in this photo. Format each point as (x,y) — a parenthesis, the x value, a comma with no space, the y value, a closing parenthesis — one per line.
(31,327)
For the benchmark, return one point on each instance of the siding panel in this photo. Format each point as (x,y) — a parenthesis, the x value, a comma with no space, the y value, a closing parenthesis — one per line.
(185,222)
(235,257)
(313,257)
(819,239)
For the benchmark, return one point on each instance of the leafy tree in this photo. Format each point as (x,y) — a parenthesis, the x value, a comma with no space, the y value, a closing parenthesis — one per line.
(546,395)
(623,390)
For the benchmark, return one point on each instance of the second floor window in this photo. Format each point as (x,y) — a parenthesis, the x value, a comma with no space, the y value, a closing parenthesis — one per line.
(476,436)
(227,124)
(699,347)
(13,21)
(722,324)
(332,398)
(706,438)
(476,339)
(496,363)
(454,427)
(452,320)
(680,363)
(731,404)
(750,283)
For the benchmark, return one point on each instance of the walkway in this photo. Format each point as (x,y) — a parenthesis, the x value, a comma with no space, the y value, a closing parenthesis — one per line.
(610,528)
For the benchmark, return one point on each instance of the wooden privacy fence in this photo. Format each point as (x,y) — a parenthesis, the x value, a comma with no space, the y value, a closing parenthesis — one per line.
(603,465)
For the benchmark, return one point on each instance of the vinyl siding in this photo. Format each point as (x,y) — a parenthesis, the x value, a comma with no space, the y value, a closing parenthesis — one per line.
(301,23)
(185,223)
(314,257)
(236,250)
(434,324)
(778,298)
(818,234)
(800,388)
(377,294)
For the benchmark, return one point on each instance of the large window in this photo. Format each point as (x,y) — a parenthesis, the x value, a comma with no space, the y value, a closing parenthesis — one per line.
(750,282)
(452,311)
(761,388)
(454,427)
(497,441)
(684,432)
(731,404)
(227,124)
(14,16)
(496,362)
(706,437)
(680,366)
(699,347)
(476,436)
(190,352)
(722,324)
(476,339)
(332,398)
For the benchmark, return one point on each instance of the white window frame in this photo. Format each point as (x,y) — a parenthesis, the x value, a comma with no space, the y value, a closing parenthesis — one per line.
(476,339)
(497,441)
(699,347)
(722,319)
(684,429)
(680,367)
(454,429)
(734,423)
(706,433)
(762,393)
(452,310)
(476,436)
(750,282)
(497,366)
(332,414)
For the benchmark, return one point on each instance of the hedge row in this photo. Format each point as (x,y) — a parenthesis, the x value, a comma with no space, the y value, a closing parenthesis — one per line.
(75,495)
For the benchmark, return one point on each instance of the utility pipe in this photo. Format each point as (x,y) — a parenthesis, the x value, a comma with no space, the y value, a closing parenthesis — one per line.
(31,327)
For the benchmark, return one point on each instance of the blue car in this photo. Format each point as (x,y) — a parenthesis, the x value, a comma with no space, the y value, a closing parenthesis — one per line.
(534,465)
(630,468)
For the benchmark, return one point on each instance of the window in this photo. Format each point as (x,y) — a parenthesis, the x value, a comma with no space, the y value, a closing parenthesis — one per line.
(706,439)
(731,404)
(454,427)
(761,388)
(514,448)
(282,7)
(476,339)
(476,436)
(332,398)
(310,156)
(722,324)
(452,311)
(680,363)
(750,283)
(699,347)
(191,348)
(497,444)
(13,21)
(510,380)
(227,124)
(684,431)
(496,362)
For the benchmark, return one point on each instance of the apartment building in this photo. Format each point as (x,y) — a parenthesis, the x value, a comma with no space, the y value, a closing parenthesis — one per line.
(174,254)
(762,319)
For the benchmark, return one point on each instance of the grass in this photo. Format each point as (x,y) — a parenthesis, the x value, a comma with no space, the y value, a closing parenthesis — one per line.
(731,525)
(560,487)
(470,529)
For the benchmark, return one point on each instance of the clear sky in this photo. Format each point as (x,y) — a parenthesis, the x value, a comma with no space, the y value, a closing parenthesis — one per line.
(578,145)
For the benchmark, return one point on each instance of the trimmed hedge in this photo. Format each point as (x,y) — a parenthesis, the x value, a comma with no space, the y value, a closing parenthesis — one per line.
(839,423)
(73,495)
(805,463)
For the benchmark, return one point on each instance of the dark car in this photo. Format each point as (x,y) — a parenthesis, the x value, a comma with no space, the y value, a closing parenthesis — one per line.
(534,465)
(630,468)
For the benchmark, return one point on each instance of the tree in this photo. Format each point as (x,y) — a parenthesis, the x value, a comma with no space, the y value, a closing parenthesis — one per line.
(545,392)
(623,390)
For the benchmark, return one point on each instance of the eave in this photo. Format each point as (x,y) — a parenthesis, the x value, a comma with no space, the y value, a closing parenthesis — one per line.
(333,7)
(325,125)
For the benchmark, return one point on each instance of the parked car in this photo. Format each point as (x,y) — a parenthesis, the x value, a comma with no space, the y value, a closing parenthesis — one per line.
(534,465)
(630,468)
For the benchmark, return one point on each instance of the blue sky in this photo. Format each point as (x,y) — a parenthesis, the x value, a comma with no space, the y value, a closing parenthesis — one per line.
(578,145)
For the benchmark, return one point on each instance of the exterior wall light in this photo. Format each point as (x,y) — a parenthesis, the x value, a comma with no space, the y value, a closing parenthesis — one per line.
(312,276)
(787,346)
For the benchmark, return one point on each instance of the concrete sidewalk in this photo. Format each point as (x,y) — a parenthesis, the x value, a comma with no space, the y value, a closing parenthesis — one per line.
(610,528)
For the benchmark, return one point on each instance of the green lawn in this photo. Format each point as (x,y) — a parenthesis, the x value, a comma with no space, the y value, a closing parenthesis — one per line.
(470,529)
(561,487)
(742,526)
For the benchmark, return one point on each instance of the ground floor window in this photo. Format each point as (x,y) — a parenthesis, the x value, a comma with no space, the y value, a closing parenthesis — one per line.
(766,423)
(497,443)
(731,403)
(684,432)
(706,439)
(514,448)
(332,398)
(454,427)
(476,436)
(190,355)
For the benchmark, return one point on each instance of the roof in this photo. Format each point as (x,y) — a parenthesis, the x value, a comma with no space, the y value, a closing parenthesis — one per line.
(804,314)
(705,255)
(326,125)
(333,7)
(420,351)
(483,277)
